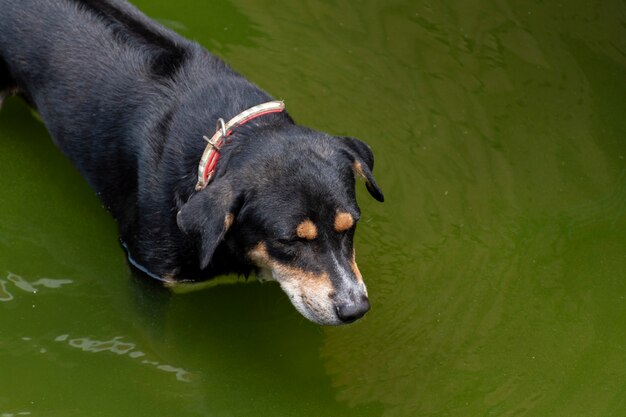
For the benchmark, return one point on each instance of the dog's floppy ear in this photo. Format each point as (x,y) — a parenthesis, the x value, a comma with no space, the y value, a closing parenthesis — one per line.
(206,217)
(363,164)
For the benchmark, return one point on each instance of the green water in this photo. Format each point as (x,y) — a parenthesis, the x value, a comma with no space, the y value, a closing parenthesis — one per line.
(496,267)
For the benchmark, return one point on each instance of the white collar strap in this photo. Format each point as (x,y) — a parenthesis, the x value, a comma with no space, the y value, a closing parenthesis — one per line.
(211,154)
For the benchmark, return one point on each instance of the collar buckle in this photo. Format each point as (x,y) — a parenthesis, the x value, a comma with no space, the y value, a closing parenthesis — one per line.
(211,154)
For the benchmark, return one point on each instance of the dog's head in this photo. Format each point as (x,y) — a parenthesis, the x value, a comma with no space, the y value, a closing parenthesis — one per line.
(289,204)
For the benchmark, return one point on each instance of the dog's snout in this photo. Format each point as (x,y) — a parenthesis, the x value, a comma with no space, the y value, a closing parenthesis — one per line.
(353,310)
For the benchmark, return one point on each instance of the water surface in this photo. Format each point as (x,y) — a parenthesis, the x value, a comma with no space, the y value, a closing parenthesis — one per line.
(496,267)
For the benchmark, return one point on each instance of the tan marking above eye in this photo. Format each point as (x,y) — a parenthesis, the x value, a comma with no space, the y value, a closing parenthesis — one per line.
(306,230)
(343,221)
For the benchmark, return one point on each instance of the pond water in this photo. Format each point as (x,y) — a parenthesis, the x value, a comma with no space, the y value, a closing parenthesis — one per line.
(496,267)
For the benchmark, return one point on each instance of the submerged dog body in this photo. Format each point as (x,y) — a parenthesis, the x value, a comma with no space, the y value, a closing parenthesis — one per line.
(129,101)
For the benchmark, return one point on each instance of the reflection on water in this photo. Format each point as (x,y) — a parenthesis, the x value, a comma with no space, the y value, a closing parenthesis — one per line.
(29,287)
(119,347)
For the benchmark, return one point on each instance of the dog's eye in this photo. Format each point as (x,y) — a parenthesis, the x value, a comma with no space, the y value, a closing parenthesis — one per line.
(286,241)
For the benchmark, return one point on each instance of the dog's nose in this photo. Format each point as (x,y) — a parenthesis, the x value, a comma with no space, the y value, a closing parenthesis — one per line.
(353,310)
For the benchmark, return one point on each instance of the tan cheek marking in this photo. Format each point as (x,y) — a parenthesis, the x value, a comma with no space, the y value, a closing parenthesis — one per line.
(309,281)
(318,283)
(228,221)
(343,221)
(306,230)
(259,255)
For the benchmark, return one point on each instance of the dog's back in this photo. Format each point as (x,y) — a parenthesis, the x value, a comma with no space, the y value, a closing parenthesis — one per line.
(70,57)
(126,99)
(99,73)
(101,32)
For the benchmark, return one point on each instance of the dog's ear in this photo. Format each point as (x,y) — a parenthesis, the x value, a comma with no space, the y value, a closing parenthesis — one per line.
(206,217)
(363,164)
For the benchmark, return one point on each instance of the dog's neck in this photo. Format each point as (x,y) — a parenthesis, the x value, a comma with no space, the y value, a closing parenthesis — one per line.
(211,154)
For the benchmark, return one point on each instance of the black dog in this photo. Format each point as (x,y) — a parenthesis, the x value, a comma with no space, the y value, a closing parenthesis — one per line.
(129,102)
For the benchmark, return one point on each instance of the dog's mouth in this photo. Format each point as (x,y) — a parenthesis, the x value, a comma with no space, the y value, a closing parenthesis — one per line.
(316,304)
(314,308)
(315,295)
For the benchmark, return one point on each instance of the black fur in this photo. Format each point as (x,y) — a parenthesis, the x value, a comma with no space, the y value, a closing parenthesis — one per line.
(128,102)
(7,85)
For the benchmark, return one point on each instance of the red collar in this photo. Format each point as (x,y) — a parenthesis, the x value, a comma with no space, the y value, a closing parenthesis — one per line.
(208,162)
